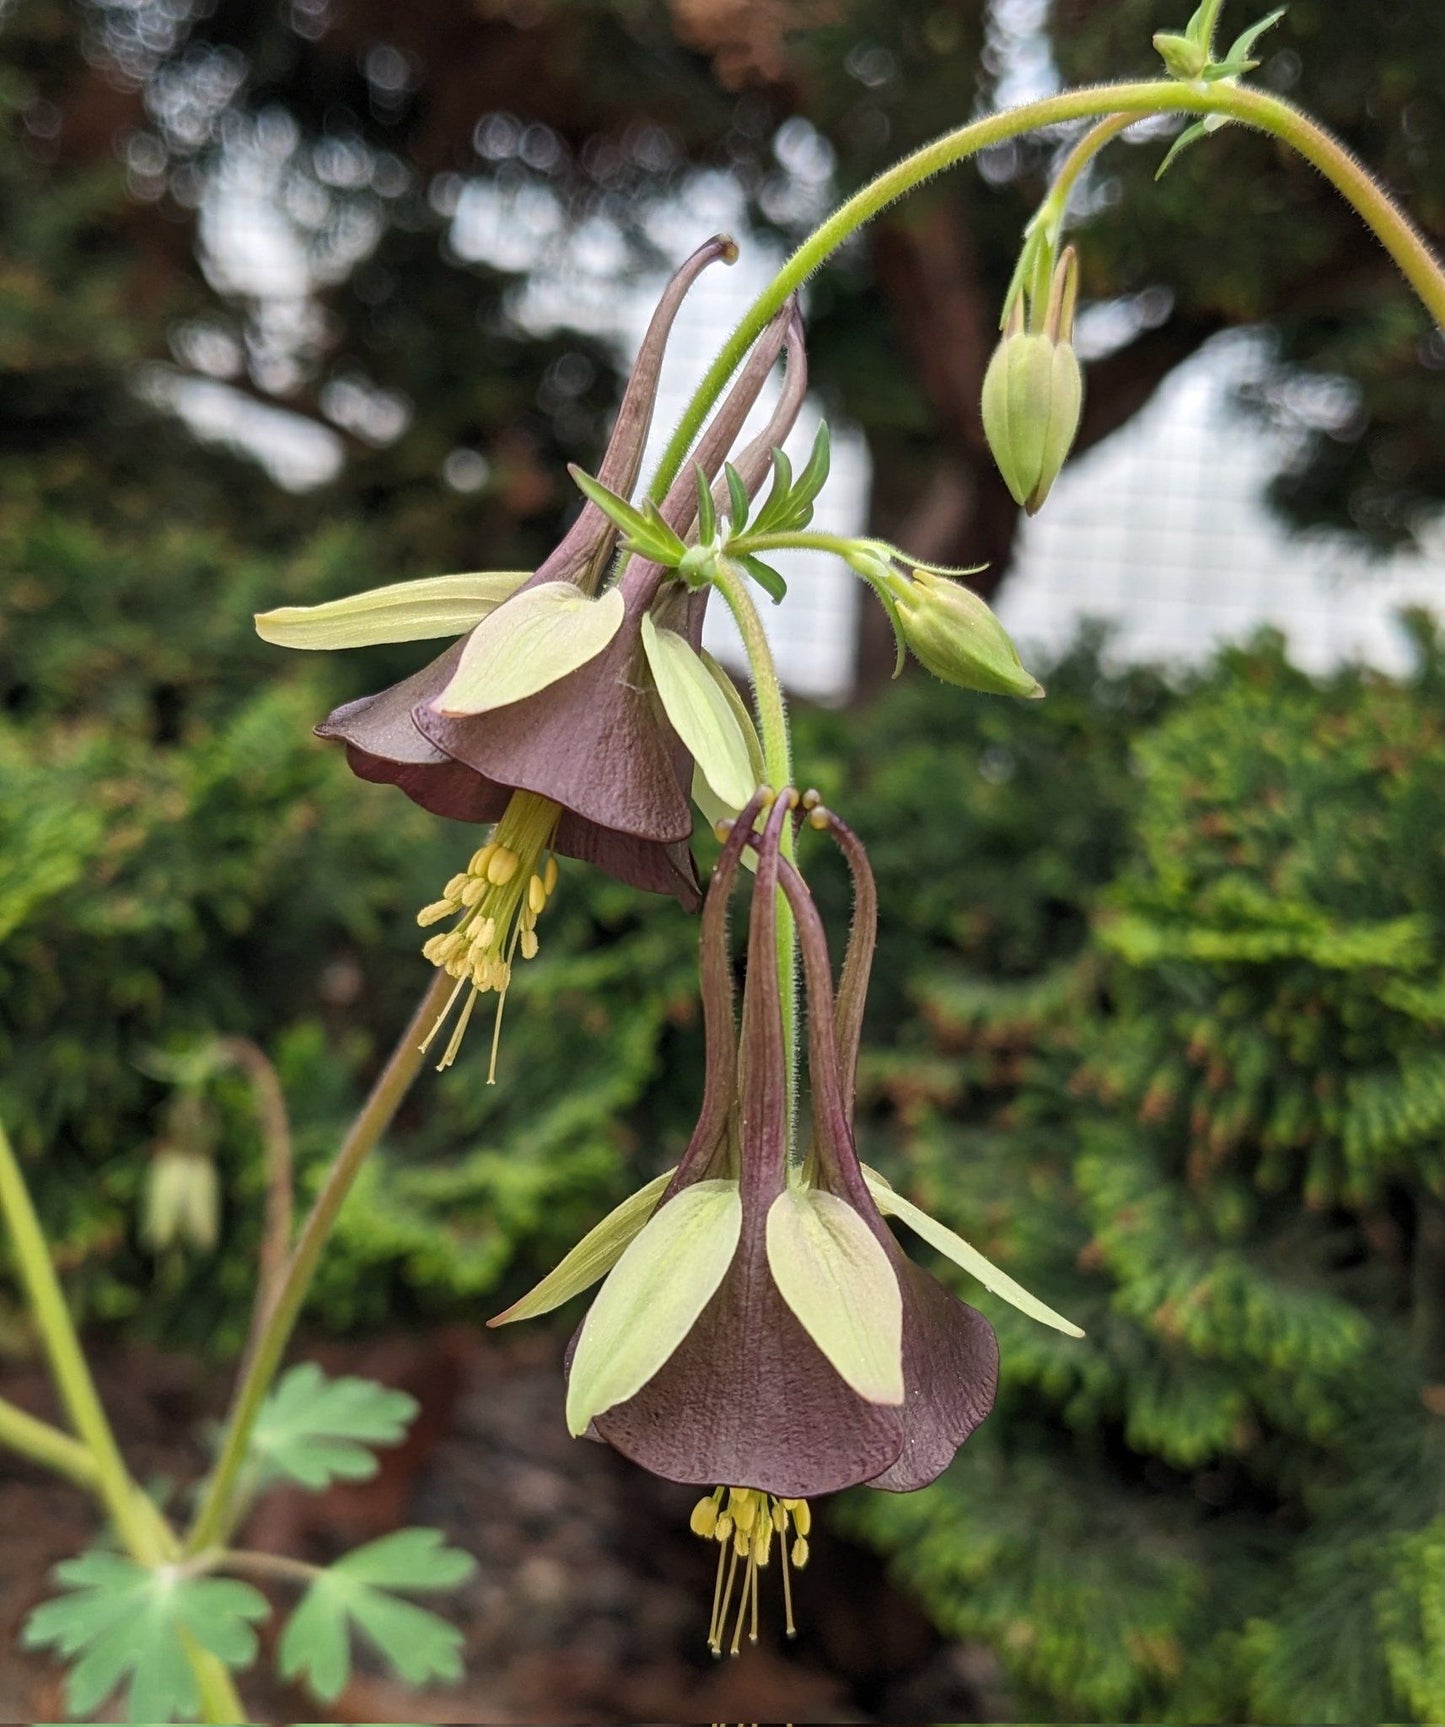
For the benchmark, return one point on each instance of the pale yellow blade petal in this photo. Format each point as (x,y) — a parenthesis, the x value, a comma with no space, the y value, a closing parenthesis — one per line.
(531,642)
(652,1298)
(969,1259)
(701,715)
(399,612)
(592,1257)
(832,1271)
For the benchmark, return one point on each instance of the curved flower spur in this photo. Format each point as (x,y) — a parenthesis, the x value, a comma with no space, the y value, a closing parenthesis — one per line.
(760,1327)
(569,718)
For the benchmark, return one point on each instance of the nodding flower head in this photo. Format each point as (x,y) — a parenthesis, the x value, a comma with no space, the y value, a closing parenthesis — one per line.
(759,1326)
(567,713)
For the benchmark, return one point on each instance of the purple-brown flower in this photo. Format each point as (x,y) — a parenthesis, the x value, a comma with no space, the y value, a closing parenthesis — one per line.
(760,1326)
(567,712)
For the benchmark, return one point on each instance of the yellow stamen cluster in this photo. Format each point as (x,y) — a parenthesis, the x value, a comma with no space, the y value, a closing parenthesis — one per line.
(497,900)
(744,1521)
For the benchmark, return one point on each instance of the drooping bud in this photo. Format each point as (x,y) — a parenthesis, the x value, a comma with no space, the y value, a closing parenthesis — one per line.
(182,1201)
(957,637)
(1033,391)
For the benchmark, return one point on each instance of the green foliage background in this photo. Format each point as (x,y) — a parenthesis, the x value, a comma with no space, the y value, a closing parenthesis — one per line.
(1157,1023)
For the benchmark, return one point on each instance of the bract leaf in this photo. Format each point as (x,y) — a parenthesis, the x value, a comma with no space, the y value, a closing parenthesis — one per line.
(737,499)
(1243,45)
(772,516)
(767,578)
(354,1594)
(399,612)
(652,1298)
(706,513)
(810,482)
(969,1259)
(529,644)
(592,1257)
(700,714)
(1190,135)
(832,1271)
(317,1430)
(130,1624)
(645,529)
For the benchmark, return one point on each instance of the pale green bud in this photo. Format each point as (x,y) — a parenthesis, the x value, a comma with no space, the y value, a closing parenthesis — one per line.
(1182,56)
(1033,394)
(182,1201)
(957,637)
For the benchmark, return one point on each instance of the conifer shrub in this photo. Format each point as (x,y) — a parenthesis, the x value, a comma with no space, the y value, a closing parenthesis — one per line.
(1212,1137)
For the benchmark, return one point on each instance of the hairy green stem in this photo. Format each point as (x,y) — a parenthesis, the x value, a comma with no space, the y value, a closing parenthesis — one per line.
(217,1509)
(47,1445)
(1056,203)
(778,767)
(146,1535)
(113,1484)
(1253,108)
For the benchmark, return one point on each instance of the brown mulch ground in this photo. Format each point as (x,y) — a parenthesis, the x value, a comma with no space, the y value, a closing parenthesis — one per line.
(591,1598)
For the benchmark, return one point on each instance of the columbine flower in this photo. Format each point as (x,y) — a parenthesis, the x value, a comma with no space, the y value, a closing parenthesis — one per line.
(569,717)
(759,1325)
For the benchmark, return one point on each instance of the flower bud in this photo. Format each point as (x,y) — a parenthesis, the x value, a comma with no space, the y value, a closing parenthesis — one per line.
(1183,57)
(957,637)
(1033,393)
(182,1203)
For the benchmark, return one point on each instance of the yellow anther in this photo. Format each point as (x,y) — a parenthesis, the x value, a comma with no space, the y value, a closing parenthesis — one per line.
(721,830)
(802,1516)
(743,1522)
(474,890)
(549,876)
(528,943)
(536,896)
(502,866)
(481,858)
(812,798)
(453,889)
(744,1509)
(818,819)
(436,911)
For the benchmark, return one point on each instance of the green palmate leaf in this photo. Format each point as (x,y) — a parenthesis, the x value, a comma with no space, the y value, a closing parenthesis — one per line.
(737,499)
(647,533)
(969,1259)
(528,644)
(652,1297)
(593,1257)
(833,1273)
(317,1430)
(700,714)
(355,1594)
(399,612)
(122,1623)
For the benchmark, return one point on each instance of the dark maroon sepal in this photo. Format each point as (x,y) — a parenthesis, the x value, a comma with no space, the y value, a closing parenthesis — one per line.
(595,742)
(950,1376)
(749,1399)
